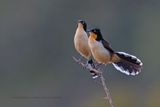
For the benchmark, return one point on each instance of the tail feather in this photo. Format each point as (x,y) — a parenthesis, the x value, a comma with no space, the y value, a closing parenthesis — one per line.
(128,64)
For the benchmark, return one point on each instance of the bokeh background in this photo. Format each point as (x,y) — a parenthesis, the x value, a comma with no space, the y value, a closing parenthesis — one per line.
(36,49)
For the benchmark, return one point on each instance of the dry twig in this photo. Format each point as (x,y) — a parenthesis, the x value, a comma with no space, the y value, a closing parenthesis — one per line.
(100,74)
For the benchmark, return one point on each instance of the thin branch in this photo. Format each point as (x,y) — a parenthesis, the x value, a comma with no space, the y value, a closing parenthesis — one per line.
(106,90)
(100,74)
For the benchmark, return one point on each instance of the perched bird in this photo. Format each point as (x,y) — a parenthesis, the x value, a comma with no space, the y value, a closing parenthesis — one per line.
(81,44)
(81,40)
(103,53)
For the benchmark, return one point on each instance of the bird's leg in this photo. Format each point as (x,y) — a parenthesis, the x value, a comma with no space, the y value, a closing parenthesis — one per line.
(92,64)
(95,66)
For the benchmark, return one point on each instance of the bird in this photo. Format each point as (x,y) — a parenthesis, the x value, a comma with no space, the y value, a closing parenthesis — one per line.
(103,53)
(81,44)
(81,40)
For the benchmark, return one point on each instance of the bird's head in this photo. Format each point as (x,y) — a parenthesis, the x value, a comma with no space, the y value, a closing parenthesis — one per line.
(83,24)
(95,33)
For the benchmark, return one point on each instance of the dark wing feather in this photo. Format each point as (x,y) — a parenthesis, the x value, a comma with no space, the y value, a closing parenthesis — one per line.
(128,64)
(107,46)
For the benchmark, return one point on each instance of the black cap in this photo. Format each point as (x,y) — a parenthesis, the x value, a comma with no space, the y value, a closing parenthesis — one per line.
(83,23)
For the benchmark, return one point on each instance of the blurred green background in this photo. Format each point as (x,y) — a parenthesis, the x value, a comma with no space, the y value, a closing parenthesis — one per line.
(36,49)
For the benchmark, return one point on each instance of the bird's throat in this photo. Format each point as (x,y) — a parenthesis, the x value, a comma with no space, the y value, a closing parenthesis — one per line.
(92,37)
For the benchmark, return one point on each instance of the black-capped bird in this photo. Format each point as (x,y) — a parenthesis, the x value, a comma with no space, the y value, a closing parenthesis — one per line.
(81,44)
(81,40)
(103,53)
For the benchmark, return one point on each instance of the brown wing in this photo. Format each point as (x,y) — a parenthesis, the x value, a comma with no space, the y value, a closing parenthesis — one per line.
(107,46)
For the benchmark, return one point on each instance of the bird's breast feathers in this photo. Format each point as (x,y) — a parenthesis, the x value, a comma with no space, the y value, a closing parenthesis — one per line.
(100,54)
(81,43)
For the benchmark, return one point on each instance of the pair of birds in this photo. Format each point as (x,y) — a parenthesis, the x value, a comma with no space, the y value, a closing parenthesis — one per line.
(90,43)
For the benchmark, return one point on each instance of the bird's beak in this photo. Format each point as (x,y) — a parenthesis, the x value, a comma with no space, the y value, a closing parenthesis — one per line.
(80,21)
